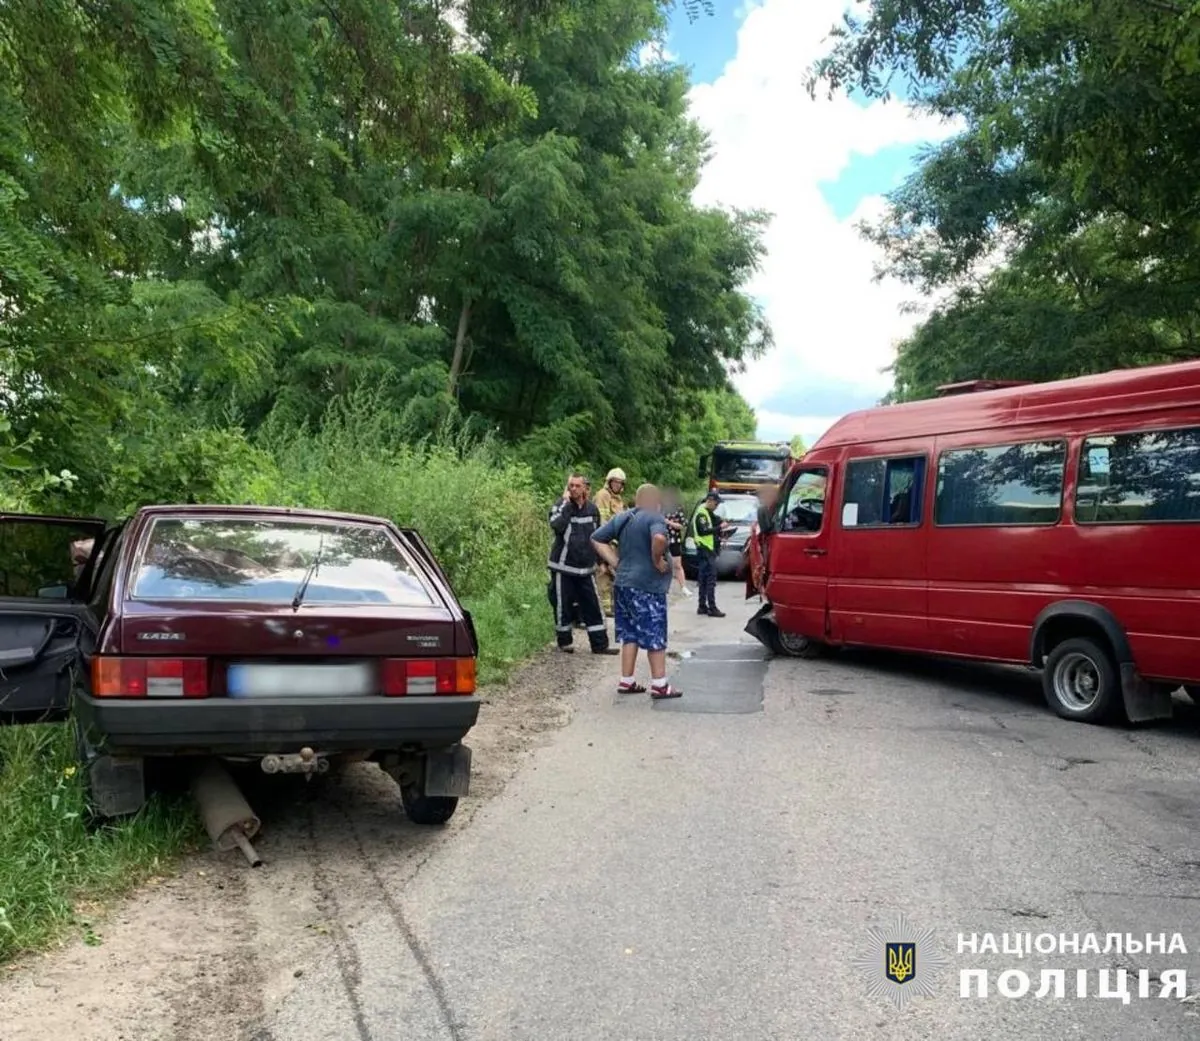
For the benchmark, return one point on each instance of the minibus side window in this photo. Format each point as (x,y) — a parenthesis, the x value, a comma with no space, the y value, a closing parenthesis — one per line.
(804,507)
(883,492)
(1140,478)
(1007,485)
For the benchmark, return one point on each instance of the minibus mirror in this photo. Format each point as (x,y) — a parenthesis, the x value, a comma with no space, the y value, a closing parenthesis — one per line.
(702,467)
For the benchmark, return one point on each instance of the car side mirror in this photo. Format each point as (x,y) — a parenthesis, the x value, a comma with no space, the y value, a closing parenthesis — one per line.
(53,592)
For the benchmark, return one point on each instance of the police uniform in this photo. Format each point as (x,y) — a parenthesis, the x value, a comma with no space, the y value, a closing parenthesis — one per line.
(609,503)
(706,532)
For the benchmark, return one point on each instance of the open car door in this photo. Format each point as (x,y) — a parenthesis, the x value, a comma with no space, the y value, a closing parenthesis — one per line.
(44,619)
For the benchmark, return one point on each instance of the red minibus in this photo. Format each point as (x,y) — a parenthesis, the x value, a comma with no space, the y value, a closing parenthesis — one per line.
(1055,525)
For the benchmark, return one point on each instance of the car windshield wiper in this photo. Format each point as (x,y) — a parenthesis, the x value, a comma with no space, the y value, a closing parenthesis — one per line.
(298,599)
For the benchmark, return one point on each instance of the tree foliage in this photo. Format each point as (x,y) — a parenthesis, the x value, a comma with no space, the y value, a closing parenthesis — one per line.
(1061,227)
(216,216)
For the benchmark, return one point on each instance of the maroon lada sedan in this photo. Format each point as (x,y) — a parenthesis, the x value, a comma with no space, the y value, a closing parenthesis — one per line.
(290,638)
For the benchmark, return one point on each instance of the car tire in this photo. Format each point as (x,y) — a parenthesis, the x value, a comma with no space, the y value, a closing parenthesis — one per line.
(1081,682)
(791,645)
(427,810)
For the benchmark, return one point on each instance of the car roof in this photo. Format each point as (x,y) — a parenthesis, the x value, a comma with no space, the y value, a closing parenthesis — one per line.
(261,511)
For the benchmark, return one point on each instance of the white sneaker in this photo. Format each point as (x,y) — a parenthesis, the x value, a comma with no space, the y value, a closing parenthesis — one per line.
(685,591)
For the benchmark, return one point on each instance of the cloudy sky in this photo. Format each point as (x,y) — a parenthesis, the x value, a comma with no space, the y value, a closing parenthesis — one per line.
(819,167)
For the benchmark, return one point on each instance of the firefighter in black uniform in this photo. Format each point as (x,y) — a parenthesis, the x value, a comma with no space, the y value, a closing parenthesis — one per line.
(574,520)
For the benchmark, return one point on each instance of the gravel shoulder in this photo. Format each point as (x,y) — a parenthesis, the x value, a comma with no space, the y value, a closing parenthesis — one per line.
(211,950)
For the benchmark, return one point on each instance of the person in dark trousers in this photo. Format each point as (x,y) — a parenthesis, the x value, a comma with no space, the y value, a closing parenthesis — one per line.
(706,532)
(572,563)
(576,613)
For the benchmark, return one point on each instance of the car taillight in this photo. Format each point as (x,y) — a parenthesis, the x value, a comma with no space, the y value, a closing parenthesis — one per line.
(419,676)
(149,677)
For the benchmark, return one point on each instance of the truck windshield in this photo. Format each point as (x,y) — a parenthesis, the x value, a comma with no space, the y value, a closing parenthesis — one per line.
(747,468)
(266,560)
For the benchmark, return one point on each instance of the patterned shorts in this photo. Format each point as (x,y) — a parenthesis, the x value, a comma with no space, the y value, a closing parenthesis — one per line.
(641,618)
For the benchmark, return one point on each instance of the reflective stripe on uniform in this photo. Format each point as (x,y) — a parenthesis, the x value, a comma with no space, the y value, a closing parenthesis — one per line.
(568,570)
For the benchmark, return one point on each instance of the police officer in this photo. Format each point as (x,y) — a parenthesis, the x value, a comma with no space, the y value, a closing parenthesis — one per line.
(707,532)
(609,502)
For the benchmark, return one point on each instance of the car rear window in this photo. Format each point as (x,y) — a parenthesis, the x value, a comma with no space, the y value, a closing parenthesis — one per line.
(267,560)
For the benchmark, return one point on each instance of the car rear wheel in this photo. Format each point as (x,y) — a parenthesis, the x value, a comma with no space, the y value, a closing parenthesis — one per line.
(430,810)
(793,645)
(1080,681)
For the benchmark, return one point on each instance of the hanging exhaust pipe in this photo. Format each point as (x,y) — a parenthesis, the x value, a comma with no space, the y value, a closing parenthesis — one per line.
(228,819)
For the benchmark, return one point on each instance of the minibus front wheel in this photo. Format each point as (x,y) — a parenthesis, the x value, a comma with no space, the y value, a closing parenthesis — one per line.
(794,645)
(1080,681)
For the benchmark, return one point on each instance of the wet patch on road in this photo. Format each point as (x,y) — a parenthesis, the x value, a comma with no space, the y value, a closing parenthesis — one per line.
(720,680)
(830,692)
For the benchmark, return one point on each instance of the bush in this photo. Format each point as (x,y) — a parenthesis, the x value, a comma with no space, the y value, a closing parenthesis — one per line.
(473,504)
(476,509)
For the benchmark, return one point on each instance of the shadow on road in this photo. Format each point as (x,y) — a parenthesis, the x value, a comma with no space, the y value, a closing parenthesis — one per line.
(985,688)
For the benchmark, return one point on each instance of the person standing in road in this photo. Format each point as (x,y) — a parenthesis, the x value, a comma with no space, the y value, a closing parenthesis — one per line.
(707,531)
(610,502)
(676,528)
(572,563)
(576,614)
(642,582)
(768,497)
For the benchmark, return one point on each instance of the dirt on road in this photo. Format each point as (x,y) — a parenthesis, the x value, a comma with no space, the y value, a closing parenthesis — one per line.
(209,952)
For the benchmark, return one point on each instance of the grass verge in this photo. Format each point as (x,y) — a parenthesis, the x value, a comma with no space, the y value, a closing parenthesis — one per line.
(50,864)
(513,622)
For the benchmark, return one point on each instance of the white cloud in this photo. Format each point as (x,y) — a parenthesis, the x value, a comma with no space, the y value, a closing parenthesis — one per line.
(655,51)
(778,426)
(773,146)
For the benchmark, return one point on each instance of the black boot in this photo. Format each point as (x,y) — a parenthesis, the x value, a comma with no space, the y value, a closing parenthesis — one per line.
(715,612)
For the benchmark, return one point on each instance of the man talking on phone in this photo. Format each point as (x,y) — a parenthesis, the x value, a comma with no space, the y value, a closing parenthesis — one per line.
(572,563)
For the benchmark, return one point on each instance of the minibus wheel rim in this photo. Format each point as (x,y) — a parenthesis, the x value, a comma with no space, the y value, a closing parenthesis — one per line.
(793,643)
(1077,681)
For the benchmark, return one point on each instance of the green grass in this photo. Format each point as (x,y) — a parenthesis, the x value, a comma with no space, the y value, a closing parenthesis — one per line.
(513,622)
(50,864)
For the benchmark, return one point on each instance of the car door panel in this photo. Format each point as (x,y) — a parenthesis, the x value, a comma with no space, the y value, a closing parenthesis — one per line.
(43,627)
(39,652)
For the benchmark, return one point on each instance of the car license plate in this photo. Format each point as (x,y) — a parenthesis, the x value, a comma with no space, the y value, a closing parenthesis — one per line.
(289,681)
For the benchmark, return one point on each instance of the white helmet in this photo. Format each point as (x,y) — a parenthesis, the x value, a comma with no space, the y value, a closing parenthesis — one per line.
(615,474)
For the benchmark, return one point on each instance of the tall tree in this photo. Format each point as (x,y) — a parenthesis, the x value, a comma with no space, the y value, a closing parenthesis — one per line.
(1062,225)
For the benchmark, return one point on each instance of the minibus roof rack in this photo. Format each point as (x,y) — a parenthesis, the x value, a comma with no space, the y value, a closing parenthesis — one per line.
(975,386)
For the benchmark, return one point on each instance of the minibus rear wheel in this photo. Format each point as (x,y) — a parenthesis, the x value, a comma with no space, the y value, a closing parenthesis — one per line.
(1081,681)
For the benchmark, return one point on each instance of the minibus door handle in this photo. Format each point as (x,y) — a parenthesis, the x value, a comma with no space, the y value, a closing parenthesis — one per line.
(815,552)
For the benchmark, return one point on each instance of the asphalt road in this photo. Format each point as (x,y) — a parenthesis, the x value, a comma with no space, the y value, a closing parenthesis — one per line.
(709,868)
